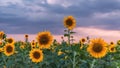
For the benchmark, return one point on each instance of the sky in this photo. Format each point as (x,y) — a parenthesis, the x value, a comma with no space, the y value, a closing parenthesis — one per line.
(94,18)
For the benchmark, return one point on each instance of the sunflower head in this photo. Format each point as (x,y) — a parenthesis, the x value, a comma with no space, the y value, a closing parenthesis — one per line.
(97,48)
(10,40)
(1,35)
(33,43)
(44,39)
(9,49)
(82,40)
(118,42)
(111,43)
(33,47)
(112,48)
(26,35)
(36,55)
(69,22)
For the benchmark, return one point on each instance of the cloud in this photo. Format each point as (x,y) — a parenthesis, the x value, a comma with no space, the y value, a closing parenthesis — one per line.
(9,2)
(32,16)
(108,35)
(82,32)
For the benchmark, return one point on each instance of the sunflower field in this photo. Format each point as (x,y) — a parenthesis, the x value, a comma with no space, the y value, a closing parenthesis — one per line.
(46,52)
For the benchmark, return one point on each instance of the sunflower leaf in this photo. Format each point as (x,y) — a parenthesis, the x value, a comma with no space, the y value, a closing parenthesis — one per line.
(66,35)
(72,32)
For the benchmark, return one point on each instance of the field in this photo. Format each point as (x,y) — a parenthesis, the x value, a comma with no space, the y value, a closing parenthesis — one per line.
(46,52)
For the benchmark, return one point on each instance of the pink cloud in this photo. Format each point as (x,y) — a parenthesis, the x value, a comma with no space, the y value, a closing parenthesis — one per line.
(81,32)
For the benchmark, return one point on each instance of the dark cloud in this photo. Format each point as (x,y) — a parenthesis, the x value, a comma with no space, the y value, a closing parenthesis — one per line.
(30,18)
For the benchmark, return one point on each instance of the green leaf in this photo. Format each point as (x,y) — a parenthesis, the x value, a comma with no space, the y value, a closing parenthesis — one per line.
(66,35)
(72,32)
(4,36)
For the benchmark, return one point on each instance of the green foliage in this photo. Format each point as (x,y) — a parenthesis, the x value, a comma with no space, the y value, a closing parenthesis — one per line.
(72,57)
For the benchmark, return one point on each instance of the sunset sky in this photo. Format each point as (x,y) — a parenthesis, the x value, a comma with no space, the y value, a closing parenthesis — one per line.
(94,18)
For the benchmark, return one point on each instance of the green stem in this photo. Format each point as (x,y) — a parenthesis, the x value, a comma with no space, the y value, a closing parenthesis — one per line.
(74,64)
(4,59)
(93,62)
(68,37)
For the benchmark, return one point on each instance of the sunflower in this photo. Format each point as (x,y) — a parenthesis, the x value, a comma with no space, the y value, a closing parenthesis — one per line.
(22,46)
(33,43)
(36,55)
(111,43)
(69,22)
(26,35)
(112,48)
(82,40)
(1,43)
(44,39)
(1,50)
(97,48)
(9,49)
(118,42)
(1,35)
(10,40)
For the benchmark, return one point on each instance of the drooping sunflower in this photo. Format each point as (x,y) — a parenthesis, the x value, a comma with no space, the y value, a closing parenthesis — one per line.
(44,39)
(9,49)
(97,48)
(1,35)
(36,55)
(10,40)
(69,22)
(112,48)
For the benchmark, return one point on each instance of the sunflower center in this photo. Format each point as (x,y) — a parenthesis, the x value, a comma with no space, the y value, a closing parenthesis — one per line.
(10,40)
(33,47)
(111,43)
(9,49)
(44,39)
(36,55)
(69,22)
(26,36)
(112,49)
(83,40)
(33,43)
(97,47)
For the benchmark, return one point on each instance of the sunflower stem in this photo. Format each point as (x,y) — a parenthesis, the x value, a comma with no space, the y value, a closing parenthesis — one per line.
(93,62)
(74,64)
(68,37)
